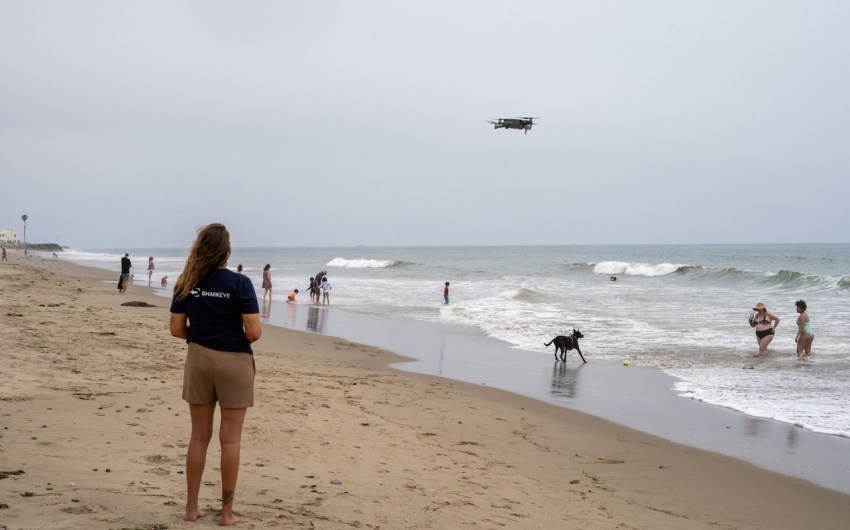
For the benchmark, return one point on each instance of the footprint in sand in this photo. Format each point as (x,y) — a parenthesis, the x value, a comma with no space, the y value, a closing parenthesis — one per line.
(159,459)
(77,510)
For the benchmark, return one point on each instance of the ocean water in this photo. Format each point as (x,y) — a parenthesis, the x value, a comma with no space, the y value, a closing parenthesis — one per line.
(681,309)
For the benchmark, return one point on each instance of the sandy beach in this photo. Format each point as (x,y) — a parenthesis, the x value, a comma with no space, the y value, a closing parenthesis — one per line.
(94,434)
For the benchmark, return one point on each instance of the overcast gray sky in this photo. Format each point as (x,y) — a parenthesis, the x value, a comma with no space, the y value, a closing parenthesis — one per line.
(130,124)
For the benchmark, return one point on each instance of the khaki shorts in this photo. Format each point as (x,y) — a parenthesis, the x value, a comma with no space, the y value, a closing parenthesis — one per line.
(223,376)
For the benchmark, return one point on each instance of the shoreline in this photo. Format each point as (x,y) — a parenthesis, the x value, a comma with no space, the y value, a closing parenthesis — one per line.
(636,397)
(91,411)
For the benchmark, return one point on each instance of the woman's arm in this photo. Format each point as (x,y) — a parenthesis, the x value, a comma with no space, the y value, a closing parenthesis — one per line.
(253,328)
(179,325)
(774,318)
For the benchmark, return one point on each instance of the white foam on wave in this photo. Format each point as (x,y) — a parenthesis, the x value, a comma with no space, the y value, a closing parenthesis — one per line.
(82,255)
(635,269)
(360,263)
(795,397)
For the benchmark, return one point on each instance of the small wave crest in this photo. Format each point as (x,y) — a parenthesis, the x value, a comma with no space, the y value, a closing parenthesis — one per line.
(796,280)
(784,276)
(636,269)
(522,294)
(362,263)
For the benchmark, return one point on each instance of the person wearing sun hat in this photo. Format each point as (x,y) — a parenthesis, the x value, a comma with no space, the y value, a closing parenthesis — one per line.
(765,323)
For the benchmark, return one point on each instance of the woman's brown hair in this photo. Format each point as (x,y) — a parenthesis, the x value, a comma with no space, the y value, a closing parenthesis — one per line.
(209,251)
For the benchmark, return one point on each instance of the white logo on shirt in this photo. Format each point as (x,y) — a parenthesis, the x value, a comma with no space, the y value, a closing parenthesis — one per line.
(197,293)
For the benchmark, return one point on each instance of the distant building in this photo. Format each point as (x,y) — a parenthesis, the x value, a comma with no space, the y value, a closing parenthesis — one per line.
(8,236)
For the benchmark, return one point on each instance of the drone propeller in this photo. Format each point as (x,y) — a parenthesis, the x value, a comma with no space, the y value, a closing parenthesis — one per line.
(529,118)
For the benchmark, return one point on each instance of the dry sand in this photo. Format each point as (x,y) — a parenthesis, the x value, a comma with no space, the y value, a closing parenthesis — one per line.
(93,434)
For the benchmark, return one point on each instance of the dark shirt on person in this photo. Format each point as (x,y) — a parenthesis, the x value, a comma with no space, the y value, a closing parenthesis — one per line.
(215,308)
(125,265)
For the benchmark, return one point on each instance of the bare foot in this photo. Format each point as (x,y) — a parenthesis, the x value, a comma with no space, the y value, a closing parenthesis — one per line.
(193,515)
(227,520)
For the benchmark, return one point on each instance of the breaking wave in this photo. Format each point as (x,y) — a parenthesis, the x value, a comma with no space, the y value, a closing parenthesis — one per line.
(362,263)
(522,294)
(636,269)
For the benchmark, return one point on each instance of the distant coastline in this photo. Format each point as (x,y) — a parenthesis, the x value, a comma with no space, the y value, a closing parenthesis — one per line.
(46,247)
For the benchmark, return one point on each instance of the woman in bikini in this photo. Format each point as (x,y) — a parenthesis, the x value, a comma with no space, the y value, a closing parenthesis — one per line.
(805,335)
(765,323)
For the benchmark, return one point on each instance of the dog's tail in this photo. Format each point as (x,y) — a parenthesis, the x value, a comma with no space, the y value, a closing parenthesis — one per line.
(548,343)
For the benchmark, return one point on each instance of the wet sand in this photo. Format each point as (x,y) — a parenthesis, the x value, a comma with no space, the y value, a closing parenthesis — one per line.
(633,396)
(94,436)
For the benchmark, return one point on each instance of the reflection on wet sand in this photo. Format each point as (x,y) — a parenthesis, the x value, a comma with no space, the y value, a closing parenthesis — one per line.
(291,313)
(761,428)
(756,427)
(564,380)
(791,438)
(267,308)
(316,319)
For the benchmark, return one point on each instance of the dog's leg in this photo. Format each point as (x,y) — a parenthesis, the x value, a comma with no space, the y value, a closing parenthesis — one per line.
(579,353)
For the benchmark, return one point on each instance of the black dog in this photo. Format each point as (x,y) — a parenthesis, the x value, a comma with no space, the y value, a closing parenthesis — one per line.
(564,344)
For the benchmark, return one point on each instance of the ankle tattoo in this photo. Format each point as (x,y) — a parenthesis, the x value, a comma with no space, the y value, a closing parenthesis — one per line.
(227,497)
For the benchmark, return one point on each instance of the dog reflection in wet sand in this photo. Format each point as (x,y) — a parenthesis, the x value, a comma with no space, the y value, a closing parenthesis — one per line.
(565,343)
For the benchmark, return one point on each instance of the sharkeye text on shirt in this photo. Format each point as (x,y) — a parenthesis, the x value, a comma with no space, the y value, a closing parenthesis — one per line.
(211,294)
(215,294)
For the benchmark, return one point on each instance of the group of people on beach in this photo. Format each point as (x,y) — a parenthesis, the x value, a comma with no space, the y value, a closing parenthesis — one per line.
(319,288)
(765,324)
(221,306)
(319,285)
(219,369)
(126,276)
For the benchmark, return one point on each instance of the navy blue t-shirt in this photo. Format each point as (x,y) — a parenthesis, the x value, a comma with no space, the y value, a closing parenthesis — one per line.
(215,308)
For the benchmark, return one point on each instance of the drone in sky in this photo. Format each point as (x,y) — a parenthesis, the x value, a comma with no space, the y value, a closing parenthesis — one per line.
(523,124)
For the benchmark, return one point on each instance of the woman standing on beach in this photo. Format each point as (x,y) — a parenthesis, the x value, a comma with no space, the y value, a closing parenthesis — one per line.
(805,334)
(150,269)
(267,281)
(765,323)
(216,311)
